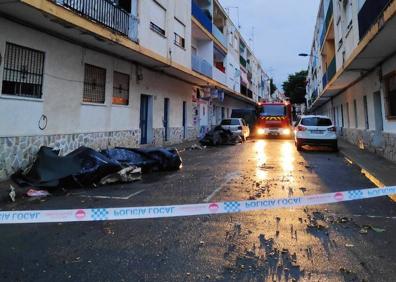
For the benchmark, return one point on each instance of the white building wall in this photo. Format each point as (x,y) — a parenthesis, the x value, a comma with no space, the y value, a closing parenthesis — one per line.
(164,46)
(63,90)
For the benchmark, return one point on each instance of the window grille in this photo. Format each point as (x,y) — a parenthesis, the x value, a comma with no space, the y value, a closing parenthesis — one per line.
(94,84)
(120,89)
(23,71)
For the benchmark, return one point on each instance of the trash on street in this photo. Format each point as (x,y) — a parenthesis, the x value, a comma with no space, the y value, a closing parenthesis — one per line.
(220,136)
(86,167)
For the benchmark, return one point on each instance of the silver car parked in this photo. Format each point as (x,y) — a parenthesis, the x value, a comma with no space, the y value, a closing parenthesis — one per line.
(237,126)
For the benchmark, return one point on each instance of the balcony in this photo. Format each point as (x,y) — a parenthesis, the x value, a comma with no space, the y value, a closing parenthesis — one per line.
(202,66)
(330,73)
(106,13)
(329,15)
(219,76)
(200,15)
(242,61)
(331,70)
(369,15)
(219,36)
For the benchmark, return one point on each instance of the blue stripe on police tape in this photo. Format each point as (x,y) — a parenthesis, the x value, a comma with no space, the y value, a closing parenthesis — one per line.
(101,214)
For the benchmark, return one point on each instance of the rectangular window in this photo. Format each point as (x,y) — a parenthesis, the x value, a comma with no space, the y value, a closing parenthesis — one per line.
(342,117)
(391,95)
(347,114)
(120,89)
(356,113)
(157,18)
(366,117)
(94,84)
(180,34)
(23,72)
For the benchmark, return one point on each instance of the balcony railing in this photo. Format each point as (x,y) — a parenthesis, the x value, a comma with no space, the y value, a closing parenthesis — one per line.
(106,13)
(369,14)
(329,15)
(201,16)
(219,36)
(330,73)
(324,81)
(219,76)
(202,66)
(242,61)
(331,70)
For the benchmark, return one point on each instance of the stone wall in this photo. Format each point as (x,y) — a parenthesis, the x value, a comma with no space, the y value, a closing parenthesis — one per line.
(19,152)
(381,143)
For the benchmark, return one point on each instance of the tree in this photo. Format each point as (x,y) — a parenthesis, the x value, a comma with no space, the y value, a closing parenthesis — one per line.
(295,87)
(273,87)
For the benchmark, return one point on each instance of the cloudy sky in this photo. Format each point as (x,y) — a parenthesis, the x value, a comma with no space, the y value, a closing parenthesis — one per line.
(282,30)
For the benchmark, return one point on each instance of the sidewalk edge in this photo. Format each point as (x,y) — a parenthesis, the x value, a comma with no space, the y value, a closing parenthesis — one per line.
(369,175)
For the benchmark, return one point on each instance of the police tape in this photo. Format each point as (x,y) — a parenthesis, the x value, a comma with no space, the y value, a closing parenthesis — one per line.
(128,213)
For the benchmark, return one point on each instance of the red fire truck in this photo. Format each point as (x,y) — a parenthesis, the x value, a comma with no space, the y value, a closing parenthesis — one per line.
(274,118)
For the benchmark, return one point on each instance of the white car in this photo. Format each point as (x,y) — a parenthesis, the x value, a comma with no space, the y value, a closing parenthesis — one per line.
(315,130)
(237,126)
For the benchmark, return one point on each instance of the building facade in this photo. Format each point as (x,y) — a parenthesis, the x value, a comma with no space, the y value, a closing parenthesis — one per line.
(352,71)
(111,73)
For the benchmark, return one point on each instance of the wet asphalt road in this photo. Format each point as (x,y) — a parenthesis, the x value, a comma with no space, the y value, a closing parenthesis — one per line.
(321,243)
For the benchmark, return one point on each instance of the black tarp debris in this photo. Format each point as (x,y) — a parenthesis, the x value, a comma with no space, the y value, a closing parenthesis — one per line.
(147,159)
(220,136)
(86,167)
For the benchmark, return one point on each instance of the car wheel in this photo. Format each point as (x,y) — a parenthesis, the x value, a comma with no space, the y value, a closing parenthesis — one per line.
(335,147)
(299,146)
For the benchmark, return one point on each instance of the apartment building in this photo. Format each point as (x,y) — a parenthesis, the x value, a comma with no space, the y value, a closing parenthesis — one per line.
(112,73)
(352,71)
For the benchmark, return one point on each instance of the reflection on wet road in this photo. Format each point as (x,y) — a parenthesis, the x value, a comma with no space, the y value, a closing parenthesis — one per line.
(325,243)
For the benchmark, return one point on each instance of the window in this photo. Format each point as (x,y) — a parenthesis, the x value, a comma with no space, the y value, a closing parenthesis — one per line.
(316,121)
(356,113)
(120,89)
(180,31)
(157,18)
(94,84)
(348,118)
(366,117)
(231,122)
(391,94)
(23,72)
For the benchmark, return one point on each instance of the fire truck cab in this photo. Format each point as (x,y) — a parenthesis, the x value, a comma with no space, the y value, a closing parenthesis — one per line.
(274,119)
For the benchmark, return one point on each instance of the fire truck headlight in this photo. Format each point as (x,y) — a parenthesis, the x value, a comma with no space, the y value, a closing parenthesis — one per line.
(286,131)
(260,131)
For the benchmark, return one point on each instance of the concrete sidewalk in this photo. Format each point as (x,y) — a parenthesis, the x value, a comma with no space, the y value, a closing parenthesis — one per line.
(378,170)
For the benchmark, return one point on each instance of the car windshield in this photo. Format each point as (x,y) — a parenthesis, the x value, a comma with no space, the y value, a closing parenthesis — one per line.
(316,121)
(273,110)
(230,122)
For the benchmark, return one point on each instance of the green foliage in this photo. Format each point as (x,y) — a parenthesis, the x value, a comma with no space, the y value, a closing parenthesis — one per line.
(295,87)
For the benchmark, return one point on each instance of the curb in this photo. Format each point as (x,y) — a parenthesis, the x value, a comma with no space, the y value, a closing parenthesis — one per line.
(369,175)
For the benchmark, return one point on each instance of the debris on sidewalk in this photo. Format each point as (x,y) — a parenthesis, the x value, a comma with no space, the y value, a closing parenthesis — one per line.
(220,136)
(196,147)
(12,193)
(37,193)
(86,167)
(365,229)
(128,174)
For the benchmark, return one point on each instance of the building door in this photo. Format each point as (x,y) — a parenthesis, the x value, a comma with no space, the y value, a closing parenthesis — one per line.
(145,119)
(184,119)
(166,119)
(379,122)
